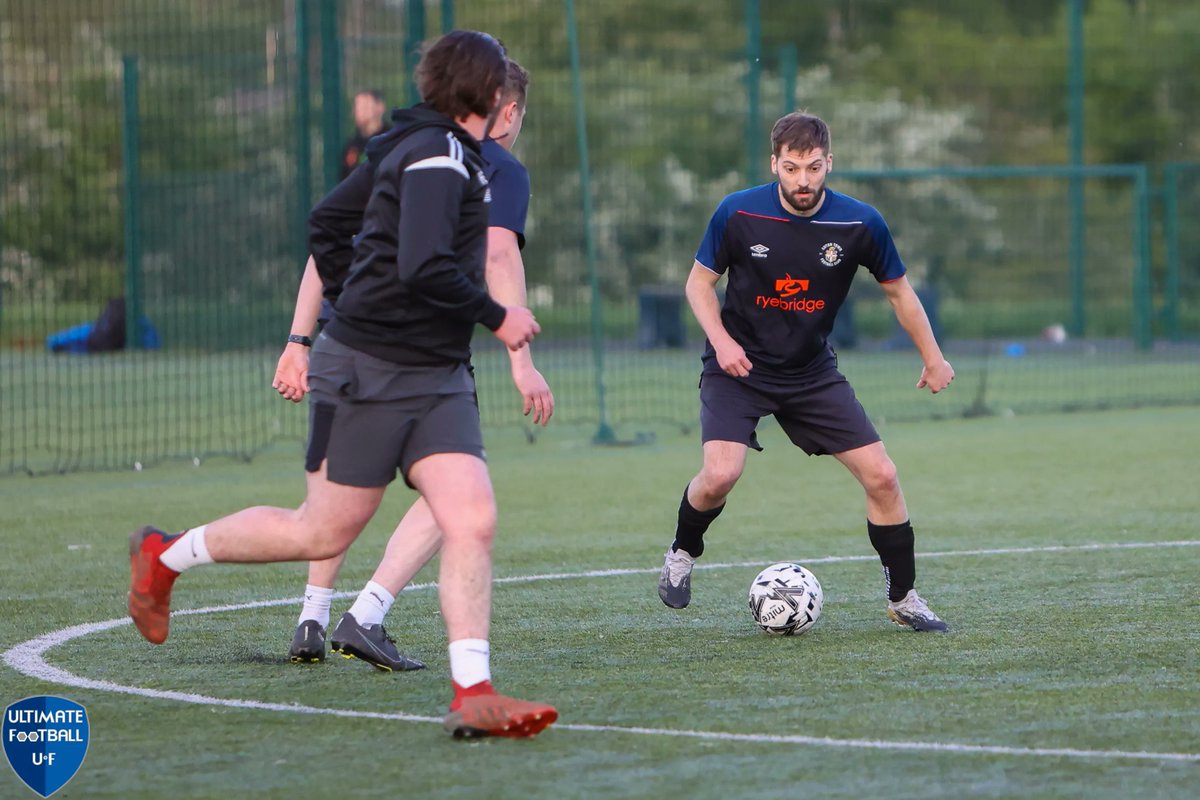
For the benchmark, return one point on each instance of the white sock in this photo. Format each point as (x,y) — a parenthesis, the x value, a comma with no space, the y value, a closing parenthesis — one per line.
(372,604)
(470,662)
(187,551)
(317,600)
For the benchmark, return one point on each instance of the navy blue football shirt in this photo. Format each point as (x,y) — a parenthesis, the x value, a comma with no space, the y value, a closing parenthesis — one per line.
(789,275)
(508,181)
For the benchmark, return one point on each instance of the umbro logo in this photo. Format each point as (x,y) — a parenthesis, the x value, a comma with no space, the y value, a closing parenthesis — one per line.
(759,250)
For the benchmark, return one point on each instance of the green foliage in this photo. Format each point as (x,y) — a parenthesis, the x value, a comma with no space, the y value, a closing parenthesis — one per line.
(1142,63)
(61,187)
(1009,61)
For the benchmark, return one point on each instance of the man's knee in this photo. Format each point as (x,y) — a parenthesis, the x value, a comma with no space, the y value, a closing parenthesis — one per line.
(320,548)
(323,536)
(881,478)
(474,521)
(718,480)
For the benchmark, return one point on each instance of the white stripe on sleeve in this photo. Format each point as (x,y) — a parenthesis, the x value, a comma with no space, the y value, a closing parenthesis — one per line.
(439,162)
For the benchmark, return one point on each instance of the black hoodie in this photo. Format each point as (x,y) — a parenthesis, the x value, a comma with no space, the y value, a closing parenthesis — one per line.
(414,288)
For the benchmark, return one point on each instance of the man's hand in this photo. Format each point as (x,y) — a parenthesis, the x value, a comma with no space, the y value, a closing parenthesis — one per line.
(937,377)
(291,374)
(536,393)
(519,327)
(732,358)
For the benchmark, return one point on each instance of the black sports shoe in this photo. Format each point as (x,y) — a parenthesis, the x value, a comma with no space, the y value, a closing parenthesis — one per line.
(372,644)
(308,643)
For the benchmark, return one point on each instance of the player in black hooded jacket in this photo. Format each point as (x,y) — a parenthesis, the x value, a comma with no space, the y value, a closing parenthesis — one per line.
(392,389)
(360,631)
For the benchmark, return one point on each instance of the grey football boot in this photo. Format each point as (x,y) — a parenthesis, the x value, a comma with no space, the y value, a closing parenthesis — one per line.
(370,643)
(675,581)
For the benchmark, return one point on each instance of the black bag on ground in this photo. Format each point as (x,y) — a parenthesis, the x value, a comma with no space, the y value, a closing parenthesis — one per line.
(108,334)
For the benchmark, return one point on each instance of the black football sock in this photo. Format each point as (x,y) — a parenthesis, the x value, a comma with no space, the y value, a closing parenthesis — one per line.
(894,543)
(689,531)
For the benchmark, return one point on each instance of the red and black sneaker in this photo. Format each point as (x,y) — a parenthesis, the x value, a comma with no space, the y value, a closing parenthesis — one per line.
(150,582)
(479,711)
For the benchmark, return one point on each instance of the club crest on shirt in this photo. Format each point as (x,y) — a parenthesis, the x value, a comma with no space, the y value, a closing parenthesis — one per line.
(831,254)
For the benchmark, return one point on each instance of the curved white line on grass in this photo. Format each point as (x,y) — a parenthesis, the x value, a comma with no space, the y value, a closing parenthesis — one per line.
(28,658)
(873,744)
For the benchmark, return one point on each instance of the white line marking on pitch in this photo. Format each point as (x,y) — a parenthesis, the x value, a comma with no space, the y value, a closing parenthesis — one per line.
(28,658)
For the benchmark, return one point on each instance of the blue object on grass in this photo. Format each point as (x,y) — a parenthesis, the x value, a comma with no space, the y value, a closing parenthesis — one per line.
(75,338)
(70,340)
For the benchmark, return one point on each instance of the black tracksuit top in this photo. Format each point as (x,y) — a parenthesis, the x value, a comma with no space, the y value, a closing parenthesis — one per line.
(412,289)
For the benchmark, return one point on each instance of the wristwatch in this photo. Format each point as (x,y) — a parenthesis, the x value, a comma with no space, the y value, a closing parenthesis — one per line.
(298,339)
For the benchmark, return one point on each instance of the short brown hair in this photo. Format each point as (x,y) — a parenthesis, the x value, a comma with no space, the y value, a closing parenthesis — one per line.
(801,132)
(516,85)
(460,73)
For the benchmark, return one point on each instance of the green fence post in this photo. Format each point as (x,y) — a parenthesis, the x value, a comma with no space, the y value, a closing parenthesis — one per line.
(1075,88)
(331,93)
(1171,234)
(133,242)
(303,136)
(447,16)
(413,36)
(788,61)
(753,101)
(604,431)
(1142,304)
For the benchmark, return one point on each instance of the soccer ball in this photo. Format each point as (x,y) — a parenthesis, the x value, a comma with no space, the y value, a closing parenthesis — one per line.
(786,599)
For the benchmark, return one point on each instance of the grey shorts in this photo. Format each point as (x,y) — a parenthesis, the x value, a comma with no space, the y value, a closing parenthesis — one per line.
(369,417)
(820,414)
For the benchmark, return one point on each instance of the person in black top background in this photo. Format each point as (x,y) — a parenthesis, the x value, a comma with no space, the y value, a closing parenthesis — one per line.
(392,387)
(370,119)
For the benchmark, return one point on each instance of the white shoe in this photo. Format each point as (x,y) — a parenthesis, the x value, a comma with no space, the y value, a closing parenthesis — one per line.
(675,582)
(912,612)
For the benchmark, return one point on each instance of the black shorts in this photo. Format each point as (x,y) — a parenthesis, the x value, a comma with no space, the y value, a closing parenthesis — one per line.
(369,418)
(819,413)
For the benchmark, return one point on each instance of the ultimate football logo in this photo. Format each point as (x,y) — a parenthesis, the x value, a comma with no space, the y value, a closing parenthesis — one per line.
(831,254)
(45,740)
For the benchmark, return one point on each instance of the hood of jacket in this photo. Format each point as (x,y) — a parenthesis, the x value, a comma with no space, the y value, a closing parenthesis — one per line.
(407,121)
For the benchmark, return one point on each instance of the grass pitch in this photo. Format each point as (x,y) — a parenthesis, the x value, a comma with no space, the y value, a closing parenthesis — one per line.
(1064,662)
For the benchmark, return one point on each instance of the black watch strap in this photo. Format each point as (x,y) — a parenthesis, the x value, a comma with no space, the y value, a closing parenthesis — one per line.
(298,339)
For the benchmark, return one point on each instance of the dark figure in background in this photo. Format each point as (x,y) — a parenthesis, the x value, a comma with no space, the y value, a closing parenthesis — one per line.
(369,120)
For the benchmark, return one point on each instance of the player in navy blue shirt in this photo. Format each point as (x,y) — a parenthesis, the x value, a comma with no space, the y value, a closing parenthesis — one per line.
(509,183)
(508,179)
(790,250)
